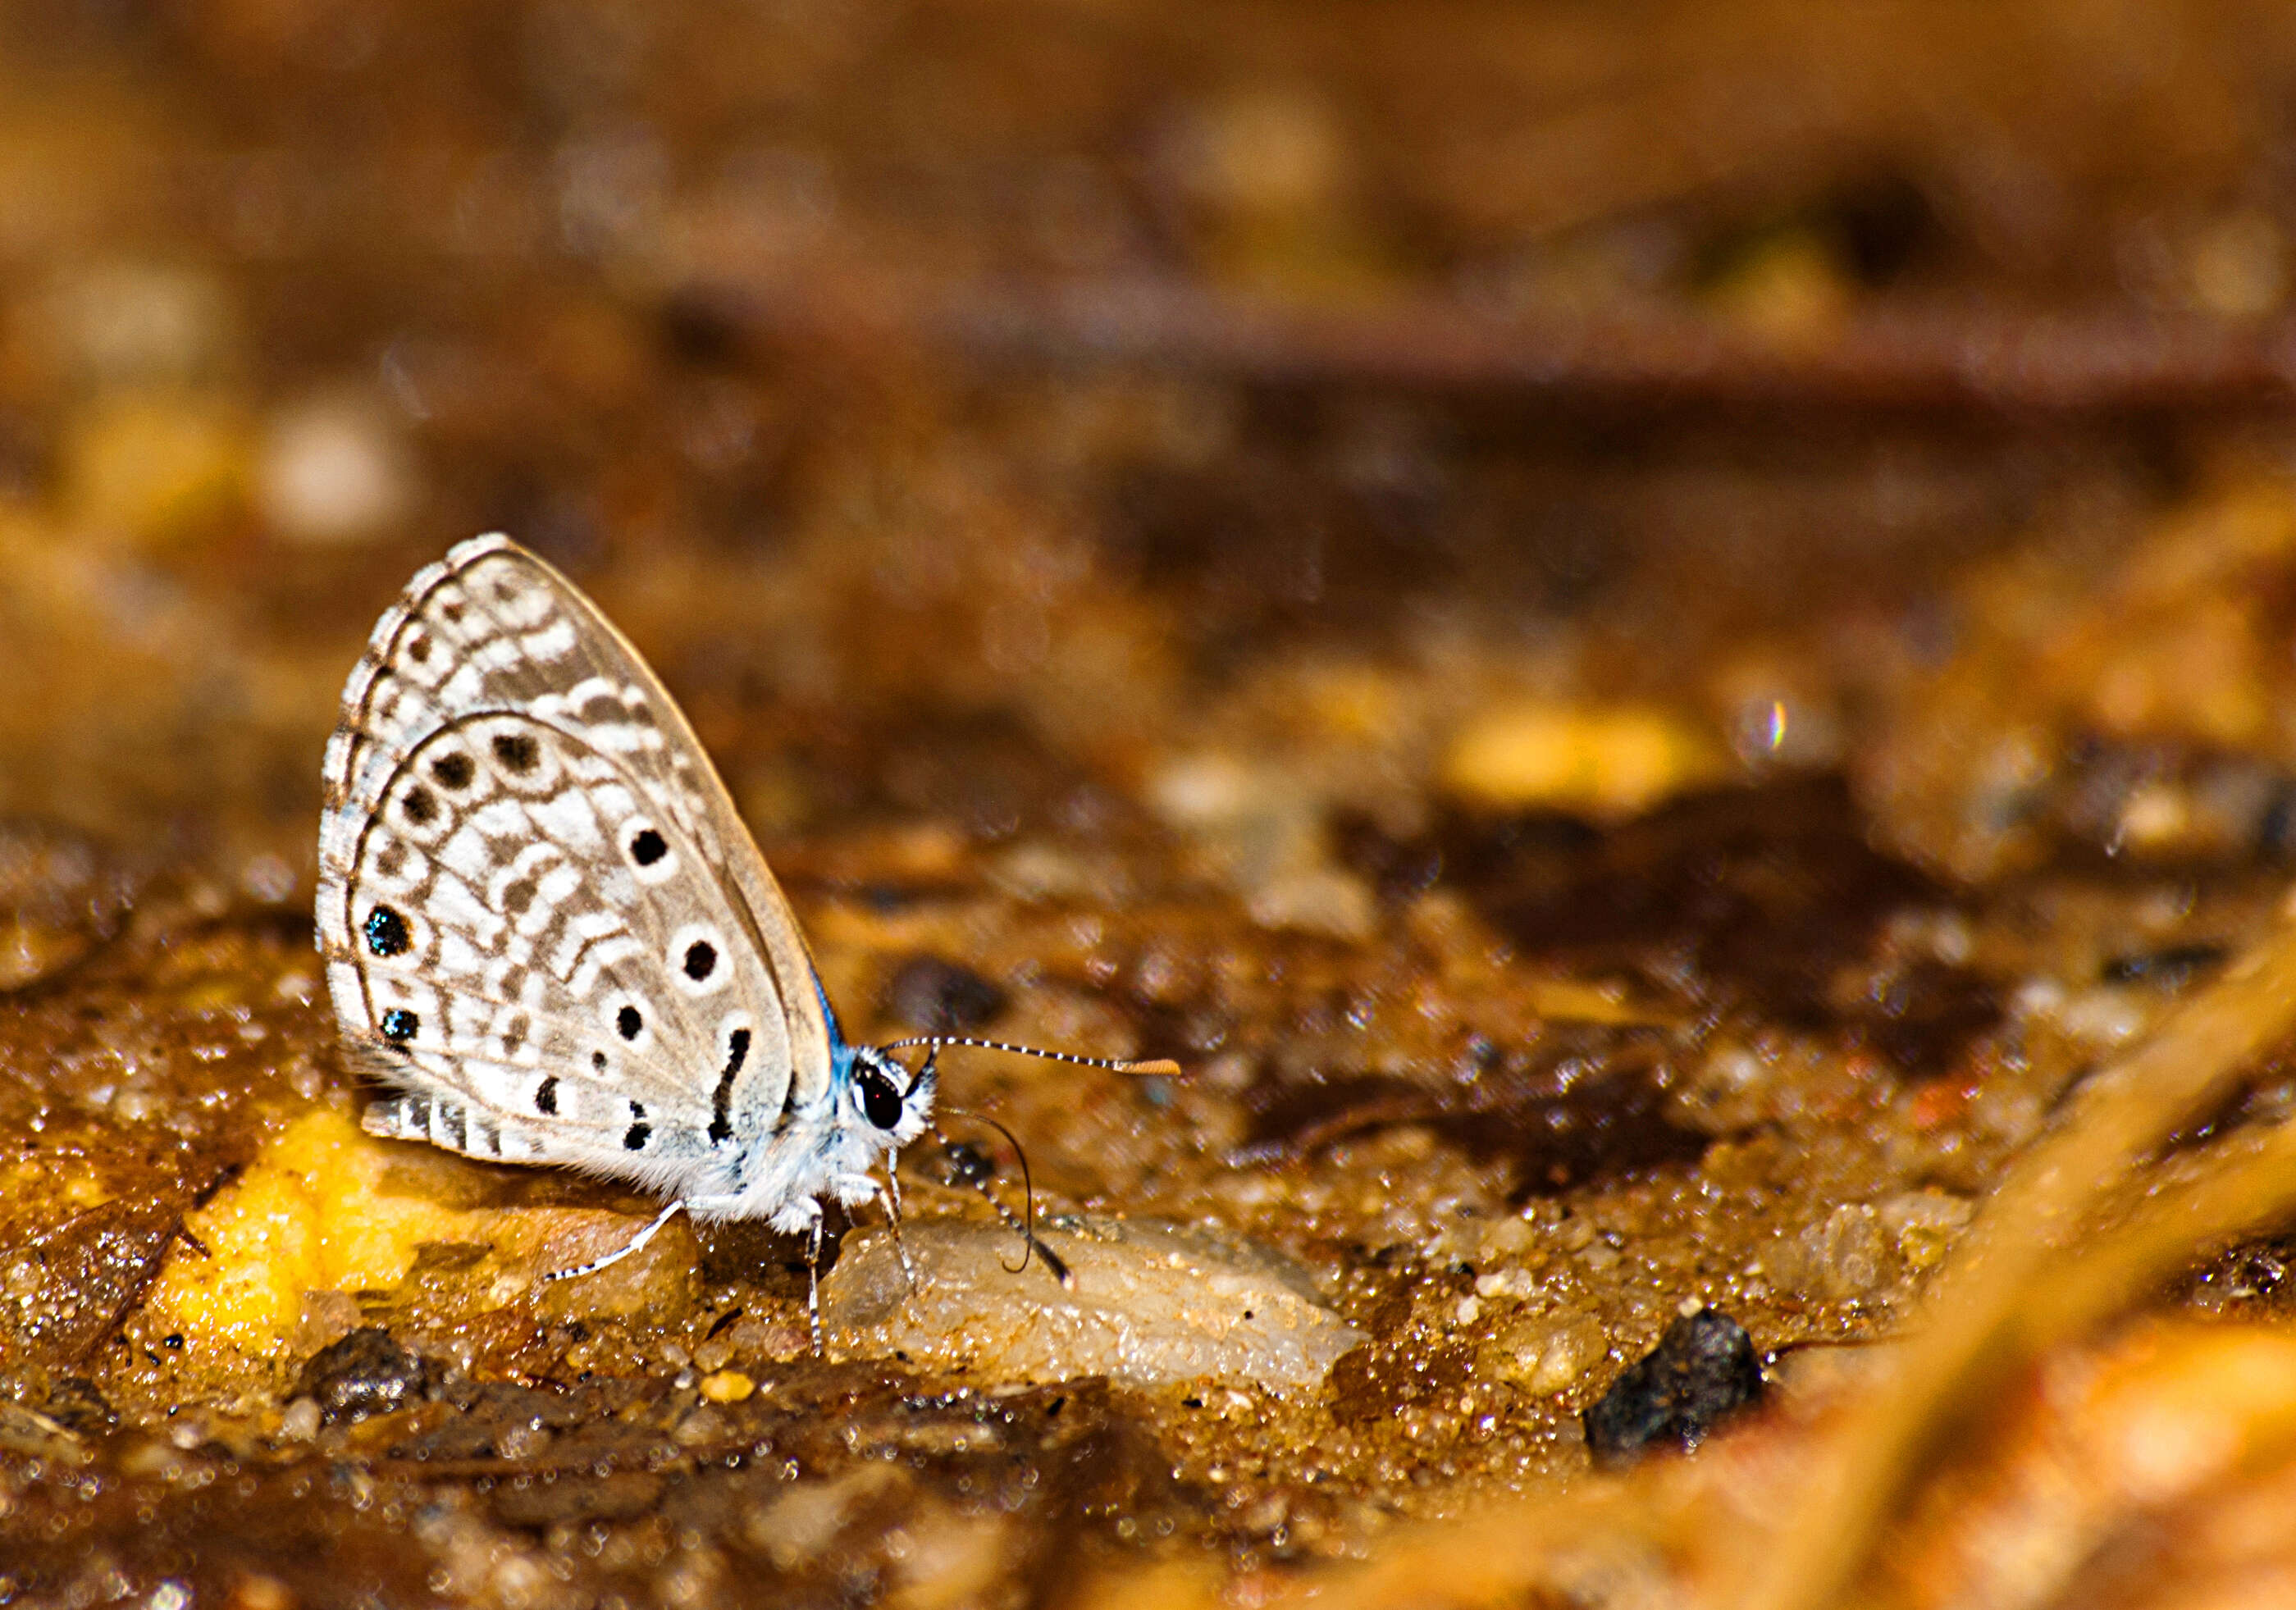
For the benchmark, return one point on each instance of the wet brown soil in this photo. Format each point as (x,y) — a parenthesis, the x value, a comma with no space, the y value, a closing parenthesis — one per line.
(1640,693)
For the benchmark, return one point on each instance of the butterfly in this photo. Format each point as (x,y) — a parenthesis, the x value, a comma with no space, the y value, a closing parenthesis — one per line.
(545,926)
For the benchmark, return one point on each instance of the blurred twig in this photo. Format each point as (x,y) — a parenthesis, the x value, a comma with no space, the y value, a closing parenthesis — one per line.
(2098,361)
(1992,1311)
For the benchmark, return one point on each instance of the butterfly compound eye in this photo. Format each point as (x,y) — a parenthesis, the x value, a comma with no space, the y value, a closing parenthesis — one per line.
(881,1103)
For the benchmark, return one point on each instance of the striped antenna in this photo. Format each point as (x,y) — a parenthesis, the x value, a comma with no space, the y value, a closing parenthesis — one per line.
(1153,1065)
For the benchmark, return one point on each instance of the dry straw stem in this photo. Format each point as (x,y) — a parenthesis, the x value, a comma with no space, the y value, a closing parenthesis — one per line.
(2012,1292)
(2034,1273)
(2250,1185)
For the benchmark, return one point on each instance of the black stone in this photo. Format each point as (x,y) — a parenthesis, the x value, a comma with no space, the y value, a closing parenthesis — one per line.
(935,996)
(366,1373)
(74,1403)
(1702,1371)
(386,932)
(968,1164)
(648,847)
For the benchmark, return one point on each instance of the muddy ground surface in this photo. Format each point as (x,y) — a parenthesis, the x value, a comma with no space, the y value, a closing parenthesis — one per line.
(1639,639)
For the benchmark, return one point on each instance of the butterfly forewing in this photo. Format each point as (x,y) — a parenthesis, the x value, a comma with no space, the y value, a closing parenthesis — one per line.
(535,900)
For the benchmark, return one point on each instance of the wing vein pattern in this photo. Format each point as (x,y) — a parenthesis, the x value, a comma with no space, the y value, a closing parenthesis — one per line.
(541,916)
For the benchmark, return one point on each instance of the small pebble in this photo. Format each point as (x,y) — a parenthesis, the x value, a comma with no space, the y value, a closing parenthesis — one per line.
(1602,763)
(59,899)
(133,322)
(1548,1353)
(1315,900)
(300,1422)
(331,470)
(1702,1371)
(366,1373)
(727,1386)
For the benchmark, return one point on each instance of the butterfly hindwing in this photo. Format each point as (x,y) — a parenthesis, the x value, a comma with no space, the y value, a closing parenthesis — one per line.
(541,915)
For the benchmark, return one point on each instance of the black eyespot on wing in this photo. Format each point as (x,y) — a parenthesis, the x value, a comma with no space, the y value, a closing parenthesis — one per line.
(648,847)
(386,932)
(628,1024)
(881,1103)
(598,1061)
(418,806)
(634,1139)
(545,1096)
(418,648)
(516,751)
(399,1025)
(452,770)
(701,959)
(721,1116)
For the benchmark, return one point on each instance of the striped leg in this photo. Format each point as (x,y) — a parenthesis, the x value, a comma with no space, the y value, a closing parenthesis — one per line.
(813,1288)
(891,1195)
(849,1186)
(628,1247)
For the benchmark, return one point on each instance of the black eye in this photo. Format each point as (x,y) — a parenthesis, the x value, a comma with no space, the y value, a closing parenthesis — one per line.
(880,1101)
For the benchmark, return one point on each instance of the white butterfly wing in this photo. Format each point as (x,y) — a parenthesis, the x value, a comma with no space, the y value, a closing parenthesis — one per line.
(541,915)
